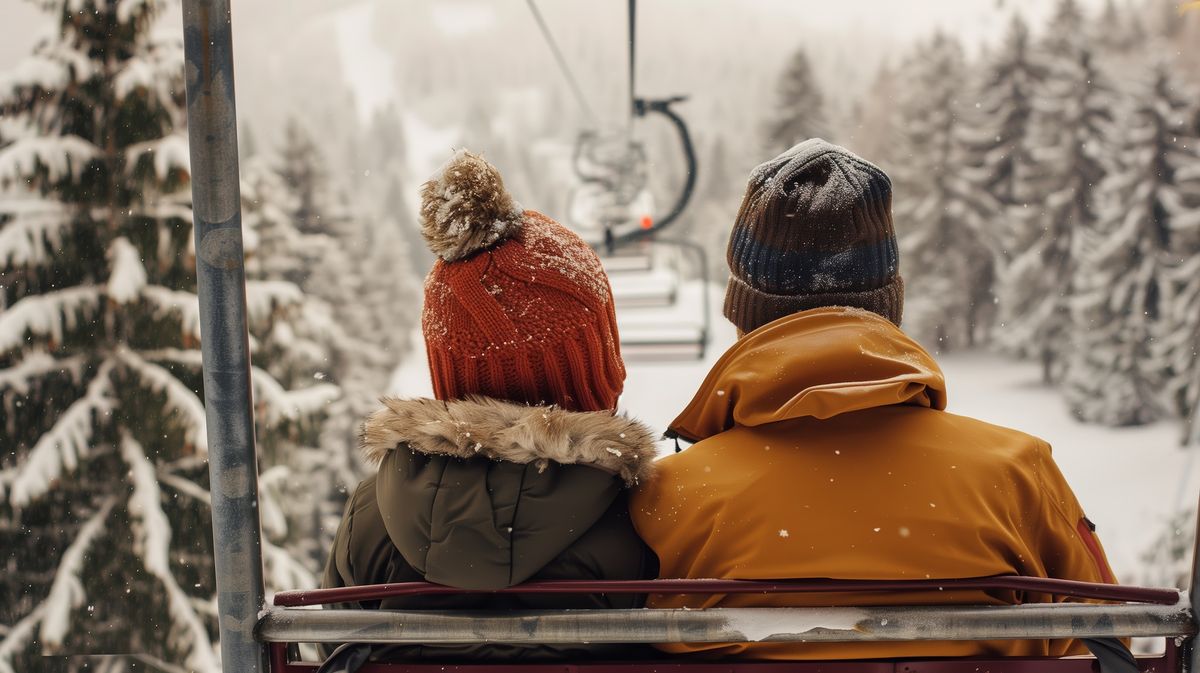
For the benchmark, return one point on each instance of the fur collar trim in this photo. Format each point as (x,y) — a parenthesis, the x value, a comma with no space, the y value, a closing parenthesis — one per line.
(517,433)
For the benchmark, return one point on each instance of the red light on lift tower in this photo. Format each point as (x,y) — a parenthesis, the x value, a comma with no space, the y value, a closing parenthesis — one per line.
(647,222)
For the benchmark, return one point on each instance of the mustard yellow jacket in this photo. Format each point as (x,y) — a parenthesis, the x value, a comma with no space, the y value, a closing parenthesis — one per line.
(823,449)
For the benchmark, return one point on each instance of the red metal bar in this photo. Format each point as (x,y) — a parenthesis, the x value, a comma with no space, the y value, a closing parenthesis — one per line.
(277,653)
(1044,585)
(1162,664)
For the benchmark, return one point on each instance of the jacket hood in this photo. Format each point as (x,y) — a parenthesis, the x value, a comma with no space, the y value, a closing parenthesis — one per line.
(482,494)
(818,363)
(511,432)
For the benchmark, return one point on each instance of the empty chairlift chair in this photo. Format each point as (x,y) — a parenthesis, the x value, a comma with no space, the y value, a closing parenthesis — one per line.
(660,316)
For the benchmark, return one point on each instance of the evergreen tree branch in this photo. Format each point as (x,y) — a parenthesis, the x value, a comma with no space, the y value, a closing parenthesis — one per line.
(283,571)
(69,440)
(33,231)
(175,302)
(58,157)
(158,663)
(185,486)
(166,154)
(157,73)
(162,210)
(152,542)
(48,70)
(179,397)
(152,531)
(46,315)
(67,592)
(37,365)
(280,405)
(18,637)
(263,297)
(274,520)
(127,276)
(187,357)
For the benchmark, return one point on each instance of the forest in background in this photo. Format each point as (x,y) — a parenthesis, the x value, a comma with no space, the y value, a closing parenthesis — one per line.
(1047,195)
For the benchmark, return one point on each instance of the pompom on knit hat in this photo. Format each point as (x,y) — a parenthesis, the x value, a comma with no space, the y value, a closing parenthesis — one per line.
(814,230)
(517,307)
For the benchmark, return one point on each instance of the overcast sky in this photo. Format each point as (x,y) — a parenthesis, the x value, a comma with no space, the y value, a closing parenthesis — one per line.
(972,19)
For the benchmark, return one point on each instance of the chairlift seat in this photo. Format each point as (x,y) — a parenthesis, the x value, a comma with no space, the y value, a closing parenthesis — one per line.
(655,288)
(621,263)
(662,342)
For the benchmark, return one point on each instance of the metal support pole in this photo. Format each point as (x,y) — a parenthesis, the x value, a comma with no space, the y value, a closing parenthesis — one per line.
(221,283)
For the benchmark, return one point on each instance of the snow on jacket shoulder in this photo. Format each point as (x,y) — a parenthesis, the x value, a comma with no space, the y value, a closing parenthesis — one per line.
(484,494)
(823,450)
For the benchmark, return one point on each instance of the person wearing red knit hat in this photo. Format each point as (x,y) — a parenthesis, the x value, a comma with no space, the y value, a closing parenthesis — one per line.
(517,306)
(519,468)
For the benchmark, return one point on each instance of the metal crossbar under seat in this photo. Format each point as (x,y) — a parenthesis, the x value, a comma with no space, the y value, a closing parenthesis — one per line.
(1042,585)
(1149,612)
(728,625)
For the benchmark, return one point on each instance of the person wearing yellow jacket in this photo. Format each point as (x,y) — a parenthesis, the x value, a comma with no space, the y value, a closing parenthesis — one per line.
(822,448)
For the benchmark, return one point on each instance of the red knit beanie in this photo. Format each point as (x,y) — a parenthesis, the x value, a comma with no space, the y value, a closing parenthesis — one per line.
(517,307)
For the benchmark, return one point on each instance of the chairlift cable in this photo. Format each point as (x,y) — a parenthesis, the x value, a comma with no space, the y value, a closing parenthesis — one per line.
(562,63)
(632,62)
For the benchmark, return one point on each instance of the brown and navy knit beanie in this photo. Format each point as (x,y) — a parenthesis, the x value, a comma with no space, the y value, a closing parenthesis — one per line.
(517,307)
(814,230)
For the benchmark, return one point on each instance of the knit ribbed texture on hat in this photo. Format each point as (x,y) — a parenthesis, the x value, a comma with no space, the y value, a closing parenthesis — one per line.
(530,319)
(814,229)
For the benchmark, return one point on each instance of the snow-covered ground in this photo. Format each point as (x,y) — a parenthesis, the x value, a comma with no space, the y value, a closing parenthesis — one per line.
(1129,480)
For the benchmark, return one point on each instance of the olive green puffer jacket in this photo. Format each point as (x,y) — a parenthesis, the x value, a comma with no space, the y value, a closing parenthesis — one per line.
(485,494)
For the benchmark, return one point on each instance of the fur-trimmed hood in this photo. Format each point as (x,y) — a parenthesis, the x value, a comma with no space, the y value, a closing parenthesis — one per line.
(511,432)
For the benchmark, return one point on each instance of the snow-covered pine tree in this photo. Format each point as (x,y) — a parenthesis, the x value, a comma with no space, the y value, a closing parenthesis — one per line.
(997,162)
(799,111)
(1065,33)
(999,136)
(275,248)
(397,207)
(1118,369)
(1072,124)
(1187,43)
(104,440)
(295,346)
(386,140)
(384,192)
(1118,31)
(1181,296)
(1167,561)
(302,168)
(357,266)
(874,135)
(947,264)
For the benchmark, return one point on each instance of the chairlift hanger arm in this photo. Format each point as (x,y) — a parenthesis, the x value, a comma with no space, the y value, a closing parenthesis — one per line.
(642,107)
